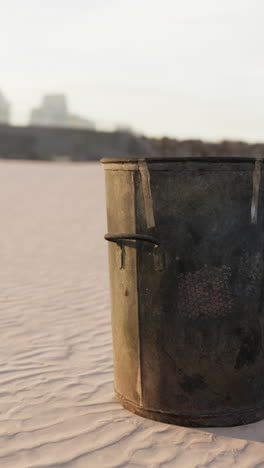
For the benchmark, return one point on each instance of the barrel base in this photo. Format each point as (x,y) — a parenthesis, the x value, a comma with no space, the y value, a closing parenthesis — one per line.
(230,418)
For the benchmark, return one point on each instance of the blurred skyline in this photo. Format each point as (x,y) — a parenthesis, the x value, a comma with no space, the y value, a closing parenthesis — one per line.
(181,68)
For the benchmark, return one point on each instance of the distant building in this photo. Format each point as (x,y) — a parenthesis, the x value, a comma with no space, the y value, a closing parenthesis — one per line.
(4,110)
(124,129)
(74,121)
(53,112)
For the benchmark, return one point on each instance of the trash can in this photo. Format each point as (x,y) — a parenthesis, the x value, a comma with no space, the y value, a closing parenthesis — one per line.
(186,275)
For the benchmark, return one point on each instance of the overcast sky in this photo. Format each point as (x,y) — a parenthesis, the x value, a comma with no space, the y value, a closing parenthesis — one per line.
(183,68)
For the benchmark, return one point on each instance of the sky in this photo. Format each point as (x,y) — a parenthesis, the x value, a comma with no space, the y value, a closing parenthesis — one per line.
(177,68)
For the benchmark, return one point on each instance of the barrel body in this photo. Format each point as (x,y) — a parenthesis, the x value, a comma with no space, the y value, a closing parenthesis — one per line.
(187,314)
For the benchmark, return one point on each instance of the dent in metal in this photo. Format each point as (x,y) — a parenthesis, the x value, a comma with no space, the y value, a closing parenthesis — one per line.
(122,256)
(145,178)
(255,191)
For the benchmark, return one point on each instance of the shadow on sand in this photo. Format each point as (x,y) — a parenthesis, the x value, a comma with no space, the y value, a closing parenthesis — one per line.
(253,432)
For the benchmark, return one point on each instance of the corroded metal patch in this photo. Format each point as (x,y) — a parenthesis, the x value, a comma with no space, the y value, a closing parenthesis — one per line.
(205,292)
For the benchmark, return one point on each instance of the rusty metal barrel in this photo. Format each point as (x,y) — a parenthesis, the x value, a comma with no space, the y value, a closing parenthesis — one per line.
(186,276)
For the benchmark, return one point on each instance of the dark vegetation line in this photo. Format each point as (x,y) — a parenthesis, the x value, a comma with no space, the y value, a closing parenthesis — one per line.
(50,143)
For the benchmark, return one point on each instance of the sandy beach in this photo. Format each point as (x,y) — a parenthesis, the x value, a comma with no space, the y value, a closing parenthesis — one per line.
(57,405)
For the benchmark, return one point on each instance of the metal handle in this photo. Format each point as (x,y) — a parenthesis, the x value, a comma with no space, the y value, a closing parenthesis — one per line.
(140,237)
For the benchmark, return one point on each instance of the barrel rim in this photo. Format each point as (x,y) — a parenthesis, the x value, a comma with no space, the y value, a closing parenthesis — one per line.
(233,417)
(160,159)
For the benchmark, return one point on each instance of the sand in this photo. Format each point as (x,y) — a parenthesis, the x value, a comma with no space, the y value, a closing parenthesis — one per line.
(57,406)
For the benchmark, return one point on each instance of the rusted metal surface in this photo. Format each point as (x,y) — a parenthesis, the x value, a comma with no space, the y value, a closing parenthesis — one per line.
(188,318)
(255,191)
